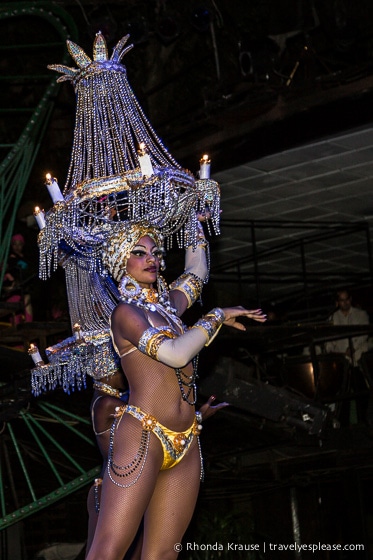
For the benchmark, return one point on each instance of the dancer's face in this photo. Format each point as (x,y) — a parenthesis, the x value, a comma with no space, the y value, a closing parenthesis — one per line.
(143,263)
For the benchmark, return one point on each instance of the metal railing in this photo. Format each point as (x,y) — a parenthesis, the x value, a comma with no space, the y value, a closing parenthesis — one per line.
(252,272)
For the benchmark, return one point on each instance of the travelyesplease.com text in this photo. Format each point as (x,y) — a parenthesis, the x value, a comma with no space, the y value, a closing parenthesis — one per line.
(267,547)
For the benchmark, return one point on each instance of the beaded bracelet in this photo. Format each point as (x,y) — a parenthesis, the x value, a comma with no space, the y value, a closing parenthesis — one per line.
(152,338)
(210,324)
(190,285)
(199,416)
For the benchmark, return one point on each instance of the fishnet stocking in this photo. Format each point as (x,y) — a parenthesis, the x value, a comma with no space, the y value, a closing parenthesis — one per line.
(134,552)
(171,507)
(92,517)
(167,498)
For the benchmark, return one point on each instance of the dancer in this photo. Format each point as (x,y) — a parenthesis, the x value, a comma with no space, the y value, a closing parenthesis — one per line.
(122,185)
(111,391)
(156,474)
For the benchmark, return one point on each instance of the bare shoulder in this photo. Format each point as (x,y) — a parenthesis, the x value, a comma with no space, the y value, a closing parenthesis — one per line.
(127,312)
(128,322)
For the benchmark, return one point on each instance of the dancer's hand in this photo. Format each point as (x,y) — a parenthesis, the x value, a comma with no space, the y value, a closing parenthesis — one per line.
(203,216)
(231,314)
(208,410)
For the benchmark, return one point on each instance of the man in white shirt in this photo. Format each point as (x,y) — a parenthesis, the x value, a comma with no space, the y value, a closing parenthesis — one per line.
(352,348)
(346,314)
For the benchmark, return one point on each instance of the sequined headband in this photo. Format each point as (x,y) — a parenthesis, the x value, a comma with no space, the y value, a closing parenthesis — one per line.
(118,246)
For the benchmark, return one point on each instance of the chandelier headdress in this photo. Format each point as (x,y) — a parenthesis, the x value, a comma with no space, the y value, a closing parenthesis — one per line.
(120,173)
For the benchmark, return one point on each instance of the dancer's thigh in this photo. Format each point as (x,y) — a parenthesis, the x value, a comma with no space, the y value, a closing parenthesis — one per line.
(122,508)
(171,507)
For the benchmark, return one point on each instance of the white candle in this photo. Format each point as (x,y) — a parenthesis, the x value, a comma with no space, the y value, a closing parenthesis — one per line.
(39,217)
(77,332)
(35,355)
(204,167)
(53,188)
(144,161)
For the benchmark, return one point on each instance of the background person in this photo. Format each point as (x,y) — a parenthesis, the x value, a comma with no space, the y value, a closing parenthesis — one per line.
(15,277)
(352,348)
(344,315)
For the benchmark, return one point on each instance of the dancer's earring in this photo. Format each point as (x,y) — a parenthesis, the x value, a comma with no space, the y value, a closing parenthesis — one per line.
(128,287)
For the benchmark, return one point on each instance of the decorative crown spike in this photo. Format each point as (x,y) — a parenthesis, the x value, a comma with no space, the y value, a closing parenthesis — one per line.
(78,54)
(100,52)
(86,64)
(119,51)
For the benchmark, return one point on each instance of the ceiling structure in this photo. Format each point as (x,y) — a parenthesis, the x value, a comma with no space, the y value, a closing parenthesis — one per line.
(308,210)
(279,96)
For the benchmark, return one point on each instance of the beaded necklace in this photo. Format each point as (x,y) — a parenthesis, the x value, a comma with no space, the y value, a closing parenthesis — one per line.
(156,301)
(188,381)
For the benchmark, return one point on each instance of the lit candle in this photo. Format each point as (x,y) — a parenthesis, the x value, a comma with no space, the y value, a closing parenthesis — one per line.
(144,160)
(39,217)
(77,332)
(53,188)
(34,353)
(204,167)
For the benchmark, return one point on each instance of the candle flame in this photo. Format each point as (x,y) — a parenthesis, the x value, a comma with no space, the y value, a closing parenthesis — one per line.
(37,210)
(48,176)
(142,149)
(205,157)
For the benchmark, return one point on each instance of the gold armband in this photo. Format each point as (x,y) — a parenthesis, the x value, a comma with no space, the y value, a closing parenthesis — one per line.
(190,285)
(152,338)
(210,324)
